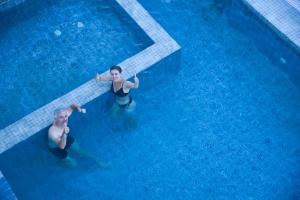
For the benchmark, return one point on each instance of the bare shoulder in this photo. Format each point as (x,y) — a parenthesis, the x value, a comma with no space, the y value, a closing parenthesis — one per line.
(53,133)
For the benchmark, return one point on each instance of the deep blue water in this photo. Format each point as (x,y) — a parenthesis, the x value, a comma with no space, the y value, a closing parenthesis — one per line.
(218,120)
(38,66)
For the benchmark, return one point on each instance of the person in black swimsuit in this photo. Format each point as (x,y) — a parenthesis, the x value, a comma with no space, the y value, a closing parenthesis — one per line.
(120,88)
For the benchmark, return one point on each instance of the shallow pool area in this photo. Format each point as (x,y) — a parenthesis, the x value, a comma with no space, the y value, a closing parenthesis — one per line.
(51,47)
(218,119)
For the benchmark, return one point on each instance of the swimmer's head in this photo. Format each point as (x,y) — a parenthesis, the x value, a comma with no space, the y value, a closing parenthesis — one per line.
(61,116)
(115,72)
(116,67)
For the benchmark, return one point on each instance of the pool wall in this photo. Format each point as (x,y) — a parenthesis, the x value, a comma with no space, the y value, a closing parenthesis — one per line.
(269,42)
(282,16)
(6,192)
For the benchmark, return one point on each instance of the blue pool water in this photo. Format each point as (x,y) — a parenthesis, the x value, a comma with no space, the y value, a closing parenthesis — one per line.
(219,120)
(46,45)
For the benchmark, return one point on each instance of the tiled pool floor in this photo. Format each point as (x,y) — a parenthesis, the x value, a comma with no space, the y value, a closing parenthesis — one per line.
(225,127)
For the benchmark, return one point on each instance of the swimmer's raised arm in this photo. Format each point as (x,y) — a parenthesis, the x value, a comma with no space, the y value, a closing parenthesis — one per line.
(136,81)
(103,78)
(75,106)
(134,85)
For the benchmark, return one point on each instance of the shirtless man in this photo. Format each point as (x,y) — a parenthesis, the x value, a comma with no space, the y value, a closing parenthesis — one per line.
(59,139)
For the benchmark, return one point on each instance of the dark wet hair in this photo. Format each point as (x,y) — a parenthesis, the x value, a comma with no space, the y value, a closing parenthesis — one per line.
(116,67)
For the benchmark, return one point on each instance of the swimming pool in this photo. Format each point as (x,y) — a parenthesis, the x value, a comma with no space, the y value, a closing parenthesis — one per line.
(219,120)
(54,44)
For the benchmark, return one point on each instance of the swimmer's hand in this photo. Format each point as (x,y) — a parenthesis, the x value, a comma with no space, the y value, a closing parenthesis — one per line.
(135,78)
(136,81)
(66,130)
(98,77)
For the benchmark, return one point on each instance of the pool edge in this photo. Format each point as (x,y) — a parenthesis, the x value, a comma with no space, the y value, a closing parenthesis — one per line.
(281,17)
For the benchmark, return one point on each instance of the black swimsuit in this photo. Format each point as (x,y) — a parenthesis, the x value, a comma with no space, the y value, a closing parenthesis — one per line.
(121,93)
(63,153)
